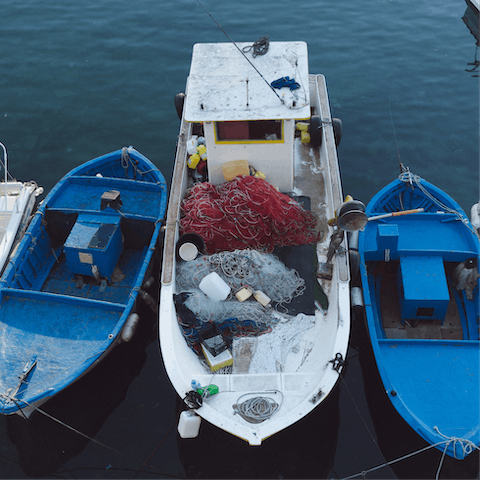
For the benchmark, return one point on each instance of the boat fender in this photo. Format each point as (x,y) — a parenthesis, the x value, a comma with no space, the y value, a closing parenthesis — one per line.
(147,298)
(354,258)
(130,327)
(356,299)
(316,131)
(189,424)
(337,130)
(475,216)
(179,102)
(465,276)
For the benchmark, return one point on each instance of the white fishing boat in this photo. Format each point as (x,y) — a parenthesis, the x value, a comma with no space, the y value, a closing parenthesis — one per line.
(254,314)
(17,201)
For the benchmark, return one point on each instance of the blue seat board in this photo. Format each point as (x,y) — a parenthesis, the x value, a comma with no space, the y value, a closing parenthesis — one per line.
(85,195)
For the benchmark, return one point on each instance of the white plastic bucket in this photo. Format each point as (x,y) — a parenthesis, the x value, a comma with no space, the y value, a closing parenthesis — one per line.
(188,251)
(214,287)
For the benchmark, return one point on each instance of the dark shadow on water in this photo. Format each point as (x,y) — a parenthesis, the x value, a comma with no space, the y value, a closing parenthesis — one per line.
(395,437)
(43,444)
(306,449)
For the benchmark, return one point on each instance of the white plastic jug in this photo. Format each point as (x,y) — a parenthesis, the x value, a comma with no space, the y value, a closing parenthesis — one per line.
(214,287)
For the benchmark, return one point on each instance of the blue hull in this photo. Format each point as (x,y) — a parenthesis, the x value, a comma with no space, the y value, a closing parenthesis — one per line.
(422,322)
(74,280)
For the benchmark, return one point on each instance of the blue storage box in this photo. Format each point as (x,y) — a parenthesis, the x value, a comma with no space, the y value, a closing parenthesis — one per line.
(387,237)
(424,286)
(95,239)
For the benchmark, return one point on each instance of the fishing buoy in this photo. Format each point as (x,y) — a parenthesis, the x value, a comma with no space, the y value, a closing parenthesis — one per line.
(130,327)
(189,424)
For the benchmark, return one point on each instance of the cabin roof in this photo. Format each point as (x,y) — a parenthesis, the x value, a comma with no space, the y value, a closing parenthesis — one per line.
(223,85)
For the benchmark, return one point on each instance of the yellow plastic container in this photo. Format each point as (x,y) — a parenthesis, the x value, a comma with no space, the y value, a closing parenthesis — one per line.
(193,160)
(305,136)
(303,127)
(202,152)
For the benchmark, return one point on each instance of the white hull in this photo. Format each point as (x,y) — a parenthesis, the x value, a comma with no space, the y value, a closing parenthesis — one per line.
(17,201)
(307,374)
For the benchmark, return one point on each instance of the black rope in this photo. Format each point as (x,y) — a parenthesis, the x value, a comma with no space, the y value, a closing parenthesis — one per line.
(260,47)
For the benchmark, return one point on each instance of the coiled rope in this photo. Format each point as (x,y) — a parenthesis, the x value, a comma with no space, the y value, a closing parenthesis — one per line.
(257,409)
(260,47)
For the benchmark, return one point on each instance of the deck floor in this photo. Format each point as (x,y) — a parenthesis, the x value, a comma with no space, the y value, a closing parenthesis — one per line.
(424,329)
(62,281)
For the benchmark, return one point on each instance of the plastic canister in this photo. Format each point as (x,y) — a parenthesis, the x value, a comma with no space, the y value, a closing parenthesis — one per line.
(202,151)
(189,424)
(192,145)
(214,287)
(193,160)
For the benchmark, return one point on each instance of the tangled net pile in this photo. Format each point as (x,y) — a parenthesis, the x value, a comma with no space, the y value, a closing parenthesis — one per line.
(246,212)
(260,271)
(197,312)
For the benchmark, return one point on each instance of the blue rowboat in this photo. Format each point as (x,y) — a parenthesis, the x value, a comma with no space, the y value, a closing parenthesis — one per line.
(70,292)
(419,274)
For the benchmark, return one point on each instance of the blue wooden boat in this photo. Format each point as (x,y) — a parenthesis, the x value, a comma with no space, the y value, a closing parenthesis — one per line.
(70,292)
(419,273)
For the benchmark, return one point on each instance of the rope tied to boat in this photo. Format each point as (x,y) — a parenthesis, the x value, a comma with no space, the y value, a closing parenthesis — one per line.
(408,177)
(466,445)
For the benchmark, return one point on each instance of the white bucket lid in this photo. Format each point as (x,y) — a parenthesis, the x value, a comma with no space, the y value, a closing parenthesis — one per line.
(188,251)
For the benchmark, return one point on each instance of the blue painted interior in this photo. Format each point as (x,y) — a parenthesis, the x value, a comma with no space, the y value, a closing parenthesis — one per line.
(430,381)
(46,313)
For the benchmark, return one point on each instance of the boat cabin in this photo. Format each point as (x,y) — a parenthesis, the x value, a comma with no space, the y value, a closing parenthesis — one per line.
(243,117)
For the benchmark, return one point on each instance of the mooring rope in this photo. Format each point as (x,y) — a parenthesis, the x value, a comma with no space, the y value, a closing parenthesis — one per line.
(467,447)
(407,176)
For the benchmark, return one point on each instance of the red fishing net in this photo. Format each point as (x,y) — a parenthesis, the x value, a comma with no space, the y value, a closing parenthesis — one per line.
(246,212)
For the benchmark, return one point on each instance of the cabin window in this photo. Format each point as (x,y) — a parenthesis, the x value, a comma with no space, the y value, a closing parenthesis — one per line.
(249,131)
(425,312)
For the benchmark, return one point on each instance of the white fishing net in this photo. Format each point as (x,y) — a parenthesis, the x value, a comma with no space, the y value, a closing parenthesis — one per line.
(260,271)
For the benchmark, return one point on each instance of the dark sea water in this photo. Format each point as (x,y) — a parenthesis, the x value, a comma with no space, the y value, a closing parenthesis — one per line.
(82,78)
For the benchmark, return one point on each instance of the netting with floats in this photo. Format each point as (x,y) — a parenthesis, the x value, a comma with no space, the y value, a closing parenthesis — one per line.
(246,212)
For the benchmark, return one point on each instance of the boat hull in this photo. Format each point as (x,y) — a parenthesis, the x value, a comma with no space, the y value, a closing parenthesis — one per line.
(58,320)
(302,381)
(428,360)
